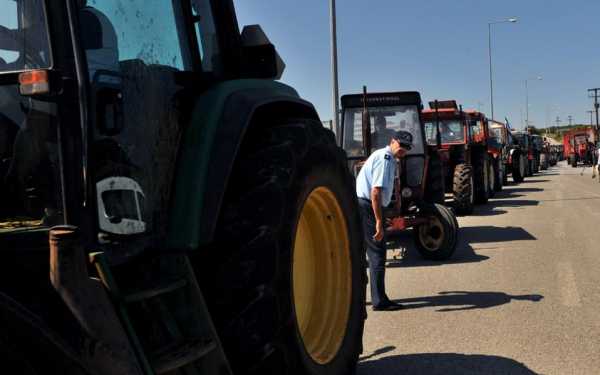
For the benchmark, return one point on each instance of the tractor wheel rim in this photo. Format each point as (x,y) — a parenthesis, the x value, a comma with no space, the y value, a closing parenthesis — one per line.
(431,234)
(322,275)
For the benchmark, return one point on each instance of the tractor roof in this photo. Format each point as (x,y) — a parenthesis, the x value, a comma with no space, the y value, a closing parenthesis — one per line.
(382,99)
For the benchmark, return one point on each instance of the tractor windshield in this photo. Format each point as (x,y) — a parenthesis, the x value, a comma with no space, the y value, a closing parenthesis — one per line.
(452,131)
(497,133)
(385,121)
(24,41)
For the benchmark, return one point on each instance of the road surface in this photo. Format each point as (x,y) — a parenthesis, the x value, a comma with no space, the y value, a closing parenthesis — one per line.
(520,296)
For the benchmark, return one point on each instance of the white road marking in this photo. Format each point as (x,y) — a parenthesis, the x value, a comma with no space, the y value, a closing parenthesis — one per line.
(567,285)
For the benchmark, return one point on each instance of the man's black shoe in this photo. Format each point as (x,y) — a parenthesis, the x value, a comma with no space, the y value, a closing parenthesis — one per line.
(388,306)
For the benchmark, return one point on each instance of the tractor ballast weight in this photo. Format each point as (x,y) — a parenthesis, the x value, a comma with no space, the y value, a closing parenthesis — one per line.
(172,188)
(417,203)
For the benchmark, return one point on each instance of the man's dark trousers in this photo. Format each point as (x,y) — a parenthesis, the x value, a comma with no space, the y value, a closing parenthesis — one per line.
(376,252)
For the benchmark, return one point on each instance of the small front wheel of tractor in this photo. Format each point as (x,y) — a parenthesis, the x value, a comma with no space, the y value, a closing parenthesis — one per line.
(435,191)
(437,238)
(463,189)
(482,180)
(518,168)
(285,281)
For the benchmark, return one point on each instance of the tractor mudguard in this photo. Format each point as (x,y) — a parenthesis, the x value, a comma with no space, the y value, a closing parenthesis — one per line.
(209,148)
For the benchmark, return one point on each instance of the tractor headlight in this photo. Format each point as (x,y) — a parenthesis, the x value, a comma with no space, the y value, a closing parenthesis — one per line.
(407,193)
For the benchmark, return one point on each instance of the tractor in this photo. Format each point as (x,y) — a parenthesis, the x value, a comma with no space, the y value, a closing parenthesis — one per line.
(523,140)
(468,170)
(501,136)
(579,146)
(368,122)
(537,149)
(167,205)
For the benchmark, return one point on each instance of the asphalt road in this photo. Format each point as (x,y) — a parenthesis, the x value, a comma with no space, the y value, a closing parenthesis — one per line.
(520,296)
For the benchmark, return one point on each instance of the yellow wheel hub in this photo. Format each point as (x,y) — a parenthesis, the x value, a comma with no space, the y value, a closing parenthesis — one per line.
(322,275)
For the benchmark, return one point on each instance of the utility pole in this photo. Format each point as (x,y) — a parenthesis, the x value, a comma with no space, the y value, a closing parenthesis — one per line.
(596,105)
(334,70)
(591,117)
(570,120)
(557,122)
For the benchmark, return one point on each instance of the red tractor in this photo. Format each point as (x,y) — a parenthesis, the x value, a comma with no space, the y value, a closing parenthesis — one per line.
(368,122)
(579,145)
(468,171)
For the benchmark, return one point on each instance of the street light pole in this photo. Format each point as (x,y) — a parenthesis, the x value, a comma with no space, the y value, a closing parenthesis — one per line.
(539,78)
(511,20)
(334,70)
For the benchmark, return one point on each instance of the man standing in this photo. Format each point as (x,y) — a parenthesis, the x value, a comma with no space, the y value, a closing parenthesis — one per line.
(374,188)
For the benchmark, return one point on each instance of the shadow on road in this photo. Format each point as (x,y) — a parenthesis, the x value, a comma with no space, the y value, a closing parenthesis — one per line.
(460,300)
(443,364)
(380,351)
(490,233)
(515,203)
(487,210)
(530,179)
(464,253)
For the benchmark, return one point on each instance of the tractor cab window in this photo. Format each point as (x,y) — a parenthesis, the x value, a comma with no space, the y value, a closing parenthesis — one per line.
(385,121)
(29,159)
(476,129)
(497,133)
(134,50)
(24,41)
(452,131)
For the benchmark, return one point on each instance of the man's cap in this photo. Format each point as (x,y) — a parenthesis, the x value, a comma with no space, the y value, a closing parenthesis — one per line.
(404,138)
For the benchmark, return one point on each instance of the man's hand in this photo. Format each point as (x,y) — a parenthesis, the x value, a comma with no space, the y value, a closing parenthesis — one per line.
(378,231)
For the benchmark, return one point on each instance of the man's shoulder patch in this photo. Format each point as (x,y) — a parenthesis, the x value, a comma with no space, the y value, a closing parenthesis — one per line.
(387,157)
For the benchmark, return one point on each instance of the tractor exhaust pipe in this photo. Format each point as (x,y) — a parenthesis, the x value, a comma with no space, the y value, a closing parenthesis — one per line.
(107,349)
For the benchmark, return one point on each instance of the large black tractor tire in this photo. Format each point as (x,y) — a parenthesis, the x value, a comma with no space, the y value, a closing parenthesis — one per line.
(536,166)
(289,221)
(435,191)
(543,162)
(573,161)
(491,178)
(436,239)
(499,172)
(481,177)
(529,172)
(463,189)
(518,168)
(505,175)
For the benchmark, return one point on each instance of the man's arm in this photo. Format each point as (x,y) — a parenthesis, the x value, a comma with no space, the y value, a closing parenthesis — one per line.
(376,205)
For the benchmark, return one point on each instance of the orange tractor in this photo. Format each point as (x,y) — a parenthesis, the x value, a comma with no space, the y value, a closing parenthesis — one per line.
(468,165)
(579,145)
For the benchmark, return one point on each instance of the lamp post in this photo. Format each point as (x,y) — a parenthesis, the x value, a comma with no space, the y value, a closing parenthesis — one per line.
(509,20)
(539,78)
(334,69)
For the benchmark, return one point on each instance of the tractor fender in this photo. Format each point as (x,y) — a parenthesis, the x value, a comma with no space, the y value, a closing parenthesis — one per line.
(210,147)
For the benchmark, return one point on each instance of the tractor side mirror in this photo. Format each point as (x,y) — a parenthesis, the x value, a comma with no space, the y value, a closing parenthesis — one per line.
(259,56)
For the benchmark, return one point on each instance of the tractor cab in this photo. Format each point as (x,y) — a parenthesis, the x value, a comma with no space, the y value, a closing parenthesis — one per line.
(369,122)
(451,122)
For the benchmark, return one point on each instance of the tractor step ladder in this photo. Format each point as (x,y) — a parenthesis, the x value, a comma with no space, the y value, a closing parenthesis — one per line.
(184,353)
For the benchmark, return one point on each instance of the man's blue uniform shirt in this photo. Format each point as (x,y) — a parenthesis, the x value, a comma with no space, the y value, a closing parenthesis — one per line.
(378,171)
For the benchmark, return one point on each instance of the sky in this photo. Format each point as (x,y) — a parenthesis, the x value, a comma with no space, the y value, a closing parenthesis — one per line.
(440,48)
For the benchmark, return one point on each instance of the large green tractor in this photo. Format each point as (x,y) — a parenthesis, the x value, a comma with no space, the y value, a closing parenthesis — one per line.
(166,206)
